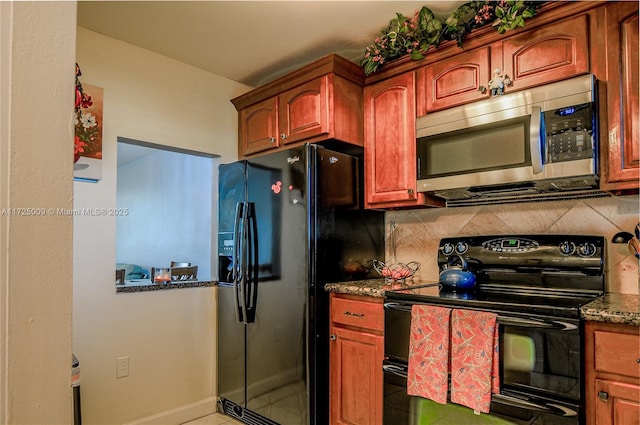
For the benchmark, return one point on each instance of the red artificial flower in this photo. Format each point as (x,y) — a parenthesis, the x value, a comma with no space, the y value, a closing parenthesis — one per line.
(79,145)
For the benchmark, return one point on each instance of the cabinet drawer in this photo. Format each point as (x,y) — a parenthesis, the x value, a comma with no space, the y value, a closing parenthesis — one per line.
(368,315)
(617,353)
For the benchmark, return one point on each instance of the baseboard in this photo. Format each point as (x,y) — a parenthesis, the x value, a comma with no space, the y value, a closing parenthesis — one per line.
(180,415)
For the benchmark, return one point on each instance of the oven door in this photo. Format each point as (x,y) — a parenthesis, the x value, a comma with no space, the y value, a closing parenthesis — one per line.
(517,409)
(541,355)
(540,368)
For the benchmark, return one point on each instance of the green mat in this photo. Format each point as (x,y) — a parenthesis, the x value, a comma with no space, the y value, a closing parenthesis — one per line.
(429,412)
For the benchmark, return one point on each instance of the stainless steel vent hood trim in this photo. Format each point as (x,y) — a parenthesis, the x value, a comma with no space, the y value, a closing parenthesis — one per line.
(527,197)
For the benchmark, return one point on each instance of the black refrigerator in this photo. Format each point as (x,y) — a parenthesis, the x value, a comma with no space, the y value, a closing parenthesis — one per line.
(289,221)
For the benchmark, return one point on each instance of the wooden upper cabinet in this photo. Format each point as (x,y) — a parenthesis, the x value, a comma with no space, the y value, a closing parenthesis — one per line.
(621,143)
(453,81)
(258,127)
(546,54)
(390,142)
(320,101)
(304,111)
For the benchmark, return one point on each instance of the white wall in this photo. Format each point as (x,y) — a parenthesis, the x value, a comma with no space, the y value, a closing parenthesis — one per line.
(168,197)
(168,335)
(36,109)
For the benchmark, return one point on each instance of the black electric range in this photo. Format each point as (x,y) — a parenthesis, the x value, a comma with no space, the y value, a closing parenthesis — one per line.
(535,284)
(542,274)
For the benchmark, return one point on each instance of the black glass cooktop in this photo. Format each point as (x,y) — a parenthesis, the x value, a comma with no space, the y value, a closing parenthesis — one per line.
(533,302)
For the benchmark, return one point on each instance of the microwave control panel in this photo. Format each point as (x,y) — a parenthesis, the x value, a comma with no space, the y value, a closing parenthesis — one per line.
(569,133)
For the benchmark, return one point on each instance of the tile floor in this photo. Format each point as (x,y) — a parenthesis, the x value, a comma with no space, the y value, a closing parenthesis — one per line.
(282,404)
(215,419)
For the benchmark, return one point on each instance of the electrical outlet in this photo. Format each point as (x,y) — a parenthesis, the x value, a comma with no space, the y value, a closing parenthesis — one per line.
(122,367)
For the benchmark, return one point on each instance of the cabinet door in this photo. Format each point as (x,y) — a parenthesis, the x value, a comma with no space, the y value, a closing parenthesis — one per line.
(453,81)
(356,381)
(617,403)
(304,111)
(390,142)
(622,141)
(550,53)
(258,127)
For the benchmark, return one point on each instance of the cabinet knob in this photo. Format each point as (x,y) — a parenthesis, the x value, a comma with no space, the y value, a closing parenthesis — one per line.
(283,136)
(410,191)
(272,139)
(638,360)
(603,395)
(333,337)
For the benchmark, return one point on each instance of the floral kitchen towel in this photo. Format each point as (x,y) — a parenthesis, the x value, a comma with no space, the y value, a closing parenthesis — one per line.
(428,371)
(474,358)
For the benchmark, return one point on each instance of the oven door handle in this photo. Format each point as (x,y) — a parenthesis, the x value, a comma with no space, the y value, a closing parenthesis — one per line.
(534,323)
(395,370)
(505,320)
(397,306)
(546,407)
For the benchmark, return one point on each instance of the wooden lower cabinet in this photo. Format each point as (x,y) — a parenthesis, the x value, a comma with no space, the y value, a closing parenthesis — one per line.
(356,355)
(618,403)
(612,374)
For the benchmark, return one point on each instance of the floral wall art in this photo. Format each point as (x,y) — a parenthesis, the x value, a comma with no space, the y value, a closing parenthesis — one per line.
(88,131)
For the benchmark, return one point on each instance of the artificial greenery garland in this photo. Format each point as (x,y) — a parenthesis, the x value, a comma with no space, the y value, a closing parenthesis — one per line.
(414,36)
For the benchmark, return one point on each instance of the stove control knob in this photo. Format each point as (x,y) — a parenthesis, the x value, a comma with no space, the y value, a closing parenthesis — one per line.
(447,248)
(461,247)
(567,248)
(586,250)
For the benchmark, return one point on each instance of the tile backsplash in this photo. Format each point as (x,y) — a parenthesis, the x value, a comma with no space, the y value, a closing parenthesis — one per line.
(414,235)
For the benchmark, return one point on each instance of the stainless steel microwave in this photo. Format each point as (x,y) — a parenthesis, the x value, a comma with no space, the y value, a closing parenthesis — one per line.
(523,145)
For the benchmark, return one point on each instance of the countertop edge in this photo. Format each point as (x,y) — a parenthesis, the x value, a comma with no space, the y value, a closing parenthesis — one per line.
(123,289)
(609,308)
(613,308)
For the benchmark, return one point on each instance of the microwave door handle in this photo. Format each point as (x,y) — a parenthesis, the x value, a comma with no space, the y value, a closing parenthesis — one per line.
(535,139)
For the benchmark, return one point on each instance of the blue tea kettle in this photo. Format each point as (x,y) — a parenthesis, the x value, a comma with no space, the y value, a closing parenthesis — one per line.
(455,276)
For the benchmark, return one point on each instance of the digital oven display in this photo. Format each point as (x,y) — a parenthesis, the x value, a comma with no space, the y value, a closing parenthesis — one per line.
(510,243)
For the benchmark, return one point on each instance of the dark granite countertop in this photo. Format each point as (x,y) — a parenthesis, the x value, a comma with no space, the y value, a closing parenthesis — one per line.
(610,308)
(613,308)
(369,287)
(146,286)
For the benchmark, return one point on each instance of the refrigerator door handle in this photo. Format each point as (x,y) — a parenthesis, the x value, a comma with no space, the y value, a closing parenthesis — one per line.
(237,262)
(245,265)
(253,264)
